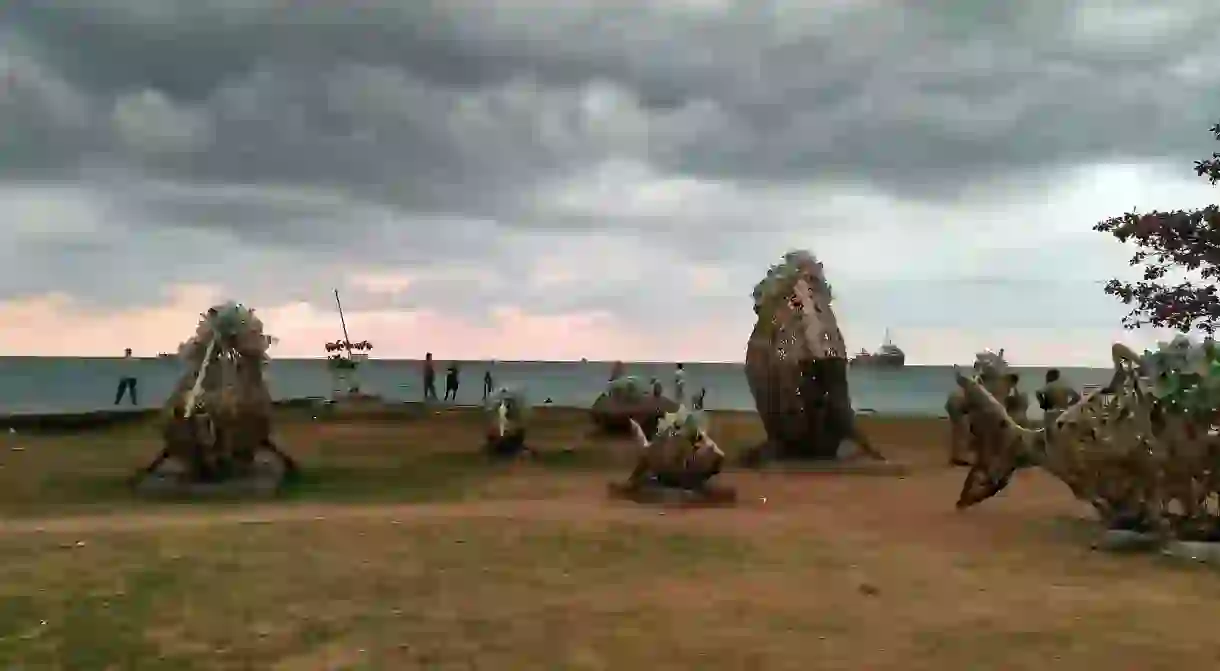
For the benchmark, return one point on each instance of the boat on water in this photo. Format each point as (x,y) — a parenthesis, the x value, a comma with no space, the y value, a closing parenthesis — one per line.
(888,356)
(166,355)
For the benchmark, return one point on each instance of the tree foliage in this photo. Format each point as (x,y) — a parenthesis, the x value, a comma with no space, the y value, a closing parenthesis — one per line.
(1177,240)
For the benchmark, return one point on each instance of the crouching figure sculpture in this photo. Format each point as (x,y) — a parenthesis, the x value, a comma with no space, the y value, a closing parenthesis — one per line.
(508,411)
(217,430)
(1143,453)
(677,464)
(796,366)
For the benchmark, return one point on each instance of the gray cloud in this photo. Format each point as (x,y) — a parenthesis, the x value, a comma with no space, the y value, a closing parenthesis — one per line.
(410,102)
(416,135)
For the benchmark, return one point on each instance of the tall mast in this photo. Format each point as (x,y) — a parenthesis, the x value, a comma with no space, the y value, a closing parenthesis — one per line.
(342,322)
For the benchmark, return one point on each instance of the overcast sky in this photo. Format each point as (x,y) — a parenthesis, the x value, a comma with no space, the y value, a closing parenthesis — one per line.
(600,178)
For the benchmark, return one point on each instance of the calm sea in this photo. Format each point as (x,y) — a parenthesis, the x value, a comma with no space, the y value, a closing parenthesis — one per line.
(33,384)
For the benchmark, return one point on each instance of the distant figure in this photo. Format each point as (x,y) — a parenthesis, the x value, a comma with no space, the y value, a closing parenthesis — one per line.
(658,390)
(616,371)
(1017,402)
(679,383)
(700,398)
(488,384)
(1055,396)
(451,382)
(548,401)
(128,380)
(429,378)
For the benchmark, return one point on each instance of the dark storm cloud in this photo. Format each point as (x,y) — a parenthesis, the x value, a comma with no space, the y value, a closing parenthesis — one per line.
(916,96)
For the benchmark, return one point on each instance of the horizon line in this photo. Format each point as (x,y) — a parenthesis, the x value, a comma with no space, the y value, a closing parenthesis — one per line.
(515,361)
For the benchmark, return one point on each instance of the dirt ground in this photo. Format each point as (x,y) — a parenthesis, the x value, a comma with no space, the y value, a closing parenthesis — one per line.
(405,550)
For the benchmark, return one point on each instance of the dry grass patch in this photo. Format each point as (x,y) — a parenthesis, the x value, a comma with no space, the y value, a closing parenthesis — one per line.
(576,586)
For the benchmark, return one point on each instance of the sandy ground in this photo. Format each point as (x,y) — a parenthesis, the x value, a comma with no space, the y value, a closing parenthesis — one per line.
(531,566)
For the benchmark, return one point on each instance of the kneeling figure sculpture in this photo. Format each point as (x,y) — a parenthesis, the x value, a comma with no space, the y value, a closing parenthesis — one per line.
(218,419)
(508,410)
(681,459)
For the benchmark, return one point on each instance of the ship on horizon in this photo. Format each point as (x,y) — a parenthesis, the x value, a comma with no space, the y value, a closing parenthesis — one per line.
(888,356)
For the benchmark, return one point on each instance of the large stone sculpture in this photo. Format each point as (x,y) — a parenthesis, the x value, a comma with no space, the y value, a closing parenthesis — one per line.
(796,366)
(1143,453)
(218,418)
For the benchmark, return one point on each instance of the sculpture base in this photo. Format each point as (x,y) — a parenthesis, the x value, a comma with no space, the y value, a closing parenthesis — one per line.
(835,467)
(846,461)
(508,446)
(712,495)
(1204,553)
(169,477)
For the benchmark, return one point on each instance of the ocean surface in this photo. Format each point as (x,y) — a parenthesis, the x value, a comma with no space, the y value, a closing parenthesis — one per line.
(41,385)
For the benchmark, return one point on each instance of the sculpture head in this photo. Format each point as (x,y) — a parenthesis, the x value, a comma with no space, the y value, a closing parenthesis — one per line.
(228,348)
(627,389)
(990,366)
(795,297)
(1009,445)
(509,408)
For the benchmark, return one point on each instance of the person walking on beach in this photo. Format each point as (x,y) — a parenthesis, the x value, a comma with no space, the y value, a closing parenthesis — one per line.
(488,383)
(429,378)
(679,383)
(699,399)
(1017,402)
(1055,396)
(451,382)
(128,380)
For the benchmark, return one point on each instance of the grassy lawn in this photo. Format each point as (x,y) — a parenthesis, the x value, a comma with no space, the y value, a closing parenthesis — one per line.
(402,549)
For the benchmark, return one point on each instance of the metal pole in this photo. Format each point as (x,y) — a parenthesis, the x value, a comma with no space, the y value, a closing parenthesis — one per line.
(342,322)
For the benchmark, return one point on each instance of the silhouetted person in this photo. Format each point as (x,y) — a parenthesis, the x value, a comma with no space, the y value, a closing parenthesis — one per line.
(679,383)
(616,371)
(699,399)
(1017,402)
(657,389)
(429,378)
(451,382)
(1055,396)
(128,380)
(488,384)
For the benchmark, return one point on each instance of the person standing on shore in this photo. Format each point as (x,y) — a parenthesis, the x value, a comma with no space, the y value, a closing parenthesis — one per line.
(488,384)
(429,378)
(451,382)
(128,381)
(657,389)
(700,398)
(1017,403)
(679,384)
(1055,396)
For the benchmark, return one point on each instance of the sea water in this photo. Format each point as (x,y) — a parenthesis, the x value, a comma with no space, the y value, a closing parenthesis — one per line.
(36,384)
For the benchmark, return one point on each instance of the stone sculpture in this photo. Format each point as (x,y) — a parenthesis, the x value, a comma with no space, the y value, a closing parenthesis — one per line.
(217,425)
(796,366)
